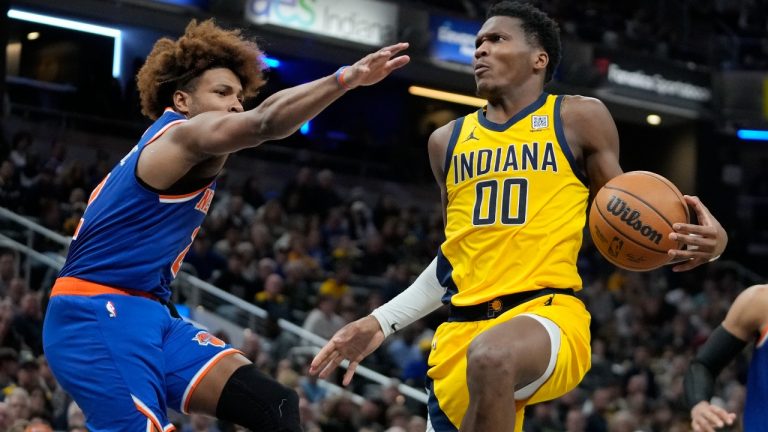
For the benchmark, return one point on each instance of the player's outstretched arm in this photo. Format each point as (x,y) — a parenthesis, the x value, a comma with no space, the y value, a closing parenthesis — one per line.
(281,114)
(357,340)
(704,242)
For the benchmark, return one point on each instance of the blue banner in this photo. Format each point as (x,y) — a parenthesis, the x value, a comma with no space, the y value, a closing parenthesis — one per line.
(200,4)
(453,39)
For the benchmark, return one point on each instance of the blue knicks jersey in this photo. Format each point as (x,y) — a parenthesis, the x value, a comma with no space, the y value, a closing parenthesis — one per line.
(133,238)
(756,406)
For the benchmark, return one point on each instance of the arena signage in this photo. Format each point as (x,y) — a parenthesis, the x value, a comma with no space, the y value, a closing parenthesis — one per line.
(658,84)
(362,21)
(453,40)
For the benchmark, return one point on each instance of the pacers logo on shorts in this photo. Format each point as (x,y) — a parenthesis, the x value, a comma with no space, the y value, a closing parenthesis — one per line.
(494,307)
(205,338)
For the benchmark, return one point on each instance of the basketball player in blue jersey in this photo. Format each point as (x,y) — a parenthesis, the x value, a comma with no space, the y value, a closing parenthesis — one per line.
(746,321)
(515,179)
(111,337)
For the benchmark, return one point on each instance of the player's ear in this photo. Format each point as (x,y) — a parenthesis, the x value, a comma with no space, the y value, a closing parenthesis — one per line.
(540,59)
(181,101)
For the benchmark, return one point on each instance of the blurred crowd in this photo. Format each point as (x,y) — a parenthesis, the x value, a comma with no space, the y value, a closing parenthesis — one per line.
(729,34)
(321,254)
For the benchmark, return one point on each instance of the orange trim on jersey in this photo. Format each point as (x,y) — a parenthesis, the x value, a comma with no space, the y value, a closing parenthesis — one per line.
(163,130)
(68,285)
(148,414)
(189,195)
(202,373)
(763,336)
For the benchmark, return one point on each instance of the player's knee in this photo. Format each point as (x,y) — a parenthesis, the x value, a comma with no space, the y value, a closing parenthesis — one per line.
(487,358)
(252,399)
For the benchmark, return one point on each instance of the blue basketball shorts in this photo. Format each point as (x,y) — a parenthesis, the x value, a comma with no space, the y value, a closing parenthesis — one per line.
(123,358)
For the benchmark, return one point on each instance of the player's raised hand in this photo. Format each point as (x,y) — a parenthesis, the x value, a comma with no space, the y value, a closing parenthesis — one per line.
(353,342)
(704,242)
(375,66)
(706,417)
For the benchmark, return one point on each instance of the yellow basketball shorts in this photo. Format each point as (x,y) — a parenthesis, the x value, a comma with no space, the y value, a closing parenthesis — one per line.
(567,321)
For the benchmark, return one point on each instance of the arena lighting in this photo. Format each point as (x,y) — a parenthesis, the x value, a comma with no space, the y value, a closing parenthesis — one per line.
(446,96)
(305,128)
(273,63)
(115,34)
(752,134)
(653,119)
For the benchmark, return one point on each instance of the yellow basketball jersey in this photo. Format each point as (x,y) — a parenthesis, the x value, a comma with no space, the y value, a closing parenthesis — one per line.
(516,206)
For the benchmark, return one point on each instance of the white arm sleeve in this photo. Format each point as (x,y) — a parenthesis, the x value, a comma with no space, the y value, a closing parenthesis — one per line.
(415,302)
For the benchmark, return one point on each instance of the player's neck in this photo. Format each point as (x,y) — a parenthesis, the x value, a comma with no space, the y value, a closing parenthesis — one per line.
(507,105)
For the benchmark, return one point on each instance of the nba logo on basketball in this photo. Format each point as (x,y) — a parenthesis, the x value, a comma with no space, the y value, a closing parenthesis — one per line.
(615,247)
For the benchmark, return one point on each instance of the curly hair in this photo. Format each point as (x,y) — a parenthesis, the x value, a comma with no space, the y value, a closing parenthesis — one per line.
(539,28)
(173,65)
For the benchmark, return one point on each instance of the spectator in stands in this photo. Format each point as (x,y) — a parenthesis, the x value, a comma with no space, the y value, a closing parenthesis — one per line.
(5,418)
(323,319)
(336,285)
(231,279)
(203,258)
(297,196)
(28,323)
(200,423)
(10,188)
(18,404)
(20,148)
(251,192)
(324,196)
(75,416)
(272,300)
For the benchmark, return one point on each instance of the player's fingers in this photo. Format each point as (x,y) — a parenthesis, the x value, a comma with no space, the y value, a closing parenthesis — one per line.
(331,365)
(692,240)
(398,62)
(321,358)
(688,264)
(682,229)
(395,48)
(713,418)
(350,373)
(701,424)
(702,212)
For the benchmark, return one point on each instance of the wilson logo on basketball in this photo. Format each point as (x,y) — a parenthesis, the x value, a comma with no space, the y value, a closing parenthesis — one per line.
(619,208)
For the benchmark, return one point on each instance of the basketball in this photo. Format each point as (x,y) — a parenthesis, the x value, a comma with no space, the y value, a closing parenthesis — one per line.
(631,218)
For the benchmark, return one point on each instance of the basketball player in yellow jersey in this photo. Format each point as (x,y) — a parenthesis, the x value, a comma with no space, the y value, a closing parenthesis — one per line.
(515,178)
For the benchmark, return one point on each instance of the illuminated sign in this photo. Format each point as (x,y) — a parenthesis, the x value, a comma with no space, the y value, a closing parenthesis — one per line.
(453,40)
(657,84)
(115,34)
(362,21)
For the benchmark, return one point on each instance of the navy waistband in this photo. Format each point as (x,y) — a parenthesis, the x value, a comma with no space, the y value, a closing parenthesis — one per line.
(493,308)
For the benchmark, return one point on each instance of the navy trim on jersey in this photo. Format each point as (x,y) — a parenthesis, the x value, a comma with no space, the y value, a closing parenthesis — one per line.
(560,134)
(437,417)
(445,277)
(452,144)
(525,112)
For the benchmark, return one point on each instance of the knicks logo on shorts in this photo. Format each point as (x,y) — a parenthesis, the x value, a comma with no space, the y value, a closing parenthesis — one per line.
(205,338)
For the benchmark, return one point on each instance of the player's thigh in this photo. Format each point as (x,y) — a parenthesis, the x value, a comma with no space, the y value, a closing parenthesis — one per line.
(197,366)
(106,351)
(567,322)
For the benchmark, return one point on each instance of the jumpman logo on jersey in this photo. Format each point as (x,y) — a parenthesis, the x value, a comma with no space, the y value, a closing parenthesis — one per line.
(471,136)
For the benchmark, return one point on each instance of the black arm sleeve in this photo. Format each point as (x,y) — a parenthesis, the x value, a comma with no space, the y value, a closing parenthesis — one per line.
(719,350)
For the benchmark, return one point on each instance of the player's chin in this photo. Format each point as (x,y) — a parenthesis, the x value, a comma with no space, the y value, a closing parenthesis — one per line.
(484,88)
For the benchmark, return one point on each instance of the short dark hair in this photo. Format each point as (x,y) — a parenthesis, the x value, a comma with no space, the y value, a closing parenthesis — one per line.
(539,28)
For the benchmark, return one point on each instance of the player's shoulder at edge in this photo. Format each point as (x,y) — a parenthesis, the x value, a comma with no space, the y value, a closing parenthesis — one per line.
(582,108)
(439,138)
